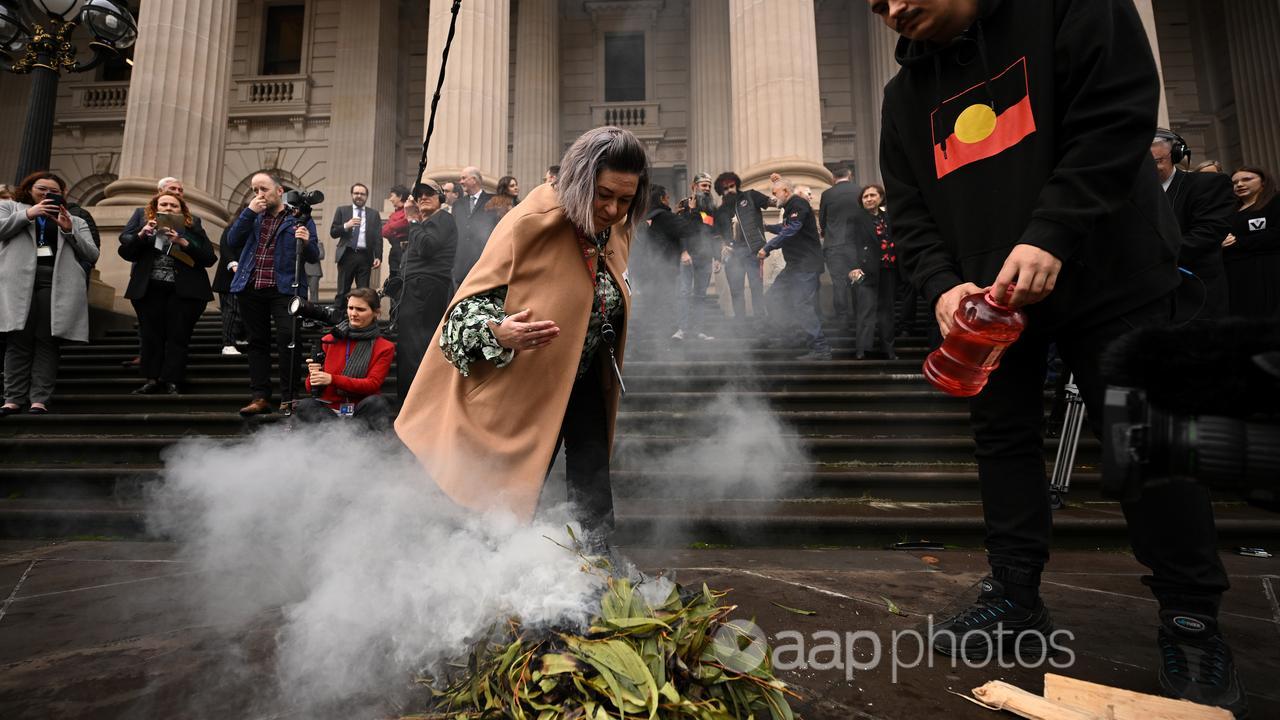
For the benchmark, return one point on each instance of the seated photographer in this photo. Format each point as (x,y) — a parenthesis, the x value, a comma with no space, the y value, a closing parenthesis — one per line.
(169,288)
(356,361)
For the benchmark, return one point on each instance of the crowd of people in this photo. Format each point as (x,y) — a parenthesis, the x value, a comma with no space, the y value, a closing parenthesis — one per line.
(1230,254)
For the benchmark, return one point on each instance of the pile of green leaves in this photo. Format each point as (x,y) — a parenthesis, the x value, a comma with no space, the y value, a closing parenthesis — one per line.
(636,661)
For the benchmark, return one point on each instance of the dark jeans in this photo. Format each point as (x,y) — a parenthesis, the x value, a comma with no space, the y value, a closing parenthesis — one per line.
(165,324)
(1171,528)
(31,354)
(585,435)
(373,412)
(739,265)
(694,279)
(258,308)
(355,267)
(840,260)
(793,307)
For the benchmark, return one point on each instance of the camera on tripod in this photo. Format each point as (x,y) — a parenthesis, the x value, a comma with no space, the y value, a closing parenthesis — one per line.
(300,202)
(307,310)
(1199,403)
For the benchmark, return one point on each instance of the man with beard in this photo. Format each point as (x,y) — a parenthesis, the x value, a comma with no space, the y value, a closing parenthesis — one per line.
(265,237)
(740,226)
(697,259)
(1048,108)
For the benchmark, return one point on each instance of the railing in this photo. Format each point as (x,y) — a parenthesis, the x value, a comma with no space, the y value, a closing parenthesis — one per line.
(96,101)
(271,95)
(632,115)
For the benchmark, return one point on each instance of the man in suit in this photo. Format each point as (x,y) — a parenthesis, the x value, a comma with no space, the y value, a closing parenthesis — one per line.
(469,205)
(358,230)
(839,205)
(1203,203)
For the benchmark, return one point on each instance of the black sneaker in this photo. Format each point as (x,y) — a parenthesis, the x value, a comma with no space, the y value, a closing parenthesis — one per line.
(994,626)
(1196,664)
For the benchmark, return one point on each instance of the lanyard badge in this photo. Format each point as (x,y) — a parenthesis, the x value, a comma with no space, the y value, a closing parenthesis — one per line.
(607,332)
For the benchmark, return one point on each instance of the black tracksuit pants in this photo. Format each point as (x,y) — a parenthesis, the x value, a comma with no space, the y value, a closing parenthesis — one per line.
(1171,528)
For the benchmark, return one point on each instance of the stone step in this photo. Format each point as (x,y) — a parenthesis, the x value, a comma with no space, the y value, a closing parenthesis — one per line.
(865,481)
(739,522)
(231,396)
(138,416)
(633,451)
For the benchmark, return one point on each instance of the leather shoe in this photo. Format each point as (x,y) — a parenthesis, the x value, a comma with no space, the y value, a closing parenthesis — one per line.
(6,411)
(150,387)
(259,406)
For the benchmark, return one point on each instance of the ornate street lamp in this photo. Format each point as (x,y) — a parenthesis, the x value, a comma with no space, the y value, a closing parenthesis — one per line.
(35,38)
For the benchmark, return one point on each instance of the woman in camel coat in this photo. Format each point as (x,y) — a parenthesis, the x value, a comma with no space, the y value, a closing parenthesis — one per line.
(526,356)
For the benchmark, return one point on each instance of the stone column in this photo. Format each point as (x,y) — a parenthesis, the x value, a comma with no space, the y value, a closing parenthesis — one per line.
(711,90)
(1251,27)
(774,50)
(176,121)
(1148,14)
(362,130)
(536,139)
(471,124)
(175,124)
(881,67)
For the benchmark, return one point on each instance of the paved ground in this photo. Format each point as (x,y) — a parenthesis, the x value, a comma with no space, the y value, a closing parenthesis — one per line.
(101,629)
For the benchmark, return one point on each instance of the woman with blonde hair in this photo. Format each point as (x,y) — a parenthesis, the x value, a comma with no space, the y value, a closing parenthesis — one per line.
(169,289)
(530,353)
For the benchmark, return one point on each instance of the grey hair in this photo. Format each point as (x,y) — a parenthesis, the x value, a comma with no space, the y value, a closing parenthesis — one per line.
(165,181)
(790,186)
(604,148)
(472,171)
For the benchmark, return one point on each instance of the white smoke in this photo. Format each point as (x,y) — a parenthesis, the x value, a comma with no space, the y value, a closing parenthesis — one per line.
(376,575)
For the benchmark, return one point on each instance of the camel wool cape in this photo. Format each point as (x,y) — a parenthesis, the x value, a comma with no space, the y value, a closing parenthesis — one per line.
(487,440)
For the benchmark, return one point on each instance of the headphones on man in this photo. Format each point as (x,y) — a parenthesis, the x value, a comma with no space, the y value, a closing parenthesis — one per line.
(1179,150)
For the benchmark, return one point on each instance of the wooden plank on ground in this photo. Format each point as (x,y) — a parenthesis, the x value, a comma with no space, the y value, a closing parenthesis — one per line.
(1116,704)
(999,695)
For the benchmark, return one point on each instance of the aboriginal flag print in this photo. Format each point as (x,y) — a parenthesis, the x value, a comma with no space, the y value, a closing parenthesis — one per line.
(967,128)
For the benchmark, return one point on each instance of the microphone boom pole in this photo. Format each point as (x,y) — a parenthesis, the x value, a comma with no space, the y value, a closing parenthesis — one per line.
(435,98)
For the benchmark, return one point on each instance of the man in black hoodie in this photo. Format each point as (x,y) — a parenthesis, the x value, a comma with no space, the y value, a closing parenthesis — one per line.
(1015,147)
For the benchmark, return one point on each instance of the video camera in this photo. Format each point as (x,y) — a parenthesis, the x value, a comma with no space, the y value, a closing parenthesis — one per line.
(300,202)
(301,307)
(1196,403)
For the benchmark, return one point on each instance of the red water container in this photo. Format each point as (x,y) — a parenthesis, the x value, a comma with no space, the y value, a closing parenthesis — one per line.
(983,330)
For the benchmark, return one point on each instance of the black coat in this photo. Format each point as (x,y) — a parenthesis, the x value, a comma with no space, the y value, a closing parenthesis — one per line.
(1070,171)
(473,234)
(222,275)
(190,282)
(1204,204)
(839,207)
(862,236)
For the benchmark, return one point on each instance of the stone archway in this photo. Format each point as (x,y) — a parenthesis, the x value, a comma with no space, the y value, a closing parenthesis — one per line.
(241,194)
(90,190)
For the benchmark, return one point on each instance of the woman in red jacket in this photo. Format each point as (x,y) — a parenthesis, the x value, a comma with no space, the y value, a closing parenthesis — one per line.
(356,361)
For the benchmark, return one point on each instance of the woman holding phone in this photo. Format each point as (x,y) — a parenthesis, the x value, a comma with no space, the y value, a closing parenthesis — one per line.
(43,293)
(169,289)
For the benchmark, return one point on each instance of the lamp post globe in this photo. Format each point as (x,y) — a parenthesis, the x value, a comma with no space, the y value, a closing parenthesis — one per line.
(60,10)
(110,24)
(13,34)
